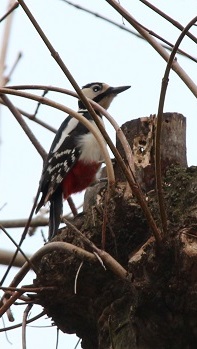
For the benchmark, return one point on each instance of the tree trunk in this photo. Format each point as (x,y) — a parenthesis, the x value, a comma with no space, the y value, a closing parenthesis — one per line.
(156,306)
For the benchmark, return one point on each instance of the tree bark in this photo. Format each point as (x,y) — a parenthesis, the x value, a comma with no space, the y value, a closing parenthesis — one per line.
(156,306)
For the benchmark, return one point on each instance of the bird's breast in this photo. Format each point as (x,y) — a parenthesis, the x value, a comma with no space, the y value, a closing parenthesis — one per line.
(90,149)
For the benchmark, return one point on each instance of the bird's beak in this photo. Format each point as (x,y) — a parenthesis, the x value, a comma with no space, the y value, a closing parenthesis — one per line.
(119,89)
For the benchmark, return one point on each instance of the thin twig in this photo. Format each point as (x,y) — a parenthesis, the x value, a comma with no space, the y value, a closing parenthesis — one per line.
(4,47)
(29,289)
(25,315)
(158,173)
(76,277)
(79,340)
(8,77)
(12,8)
(57,340)
(39,104)
(6,335)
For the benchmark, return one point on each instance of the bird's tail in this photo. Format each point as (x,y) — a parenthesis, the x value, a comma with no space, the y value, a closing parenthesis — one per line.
(56,207)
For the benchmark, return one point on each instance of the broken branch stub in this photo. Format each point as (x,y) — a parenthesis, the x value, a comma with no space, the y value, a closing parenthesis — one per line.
(140,134)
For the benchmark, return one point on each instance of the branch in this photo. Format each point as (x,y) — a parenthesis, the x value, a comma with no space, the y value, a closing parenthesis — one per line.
(25,315)
(38,221)
(3,49)
(12,8)
(6,256)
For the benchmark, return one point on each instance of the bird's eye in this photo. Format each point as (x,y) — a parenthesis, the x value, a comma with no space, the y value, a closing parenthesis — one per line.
(96,88)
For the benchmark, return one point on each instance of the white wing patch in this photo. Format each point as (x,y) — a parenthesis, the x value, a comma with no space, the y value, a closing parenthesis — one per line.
(71,125)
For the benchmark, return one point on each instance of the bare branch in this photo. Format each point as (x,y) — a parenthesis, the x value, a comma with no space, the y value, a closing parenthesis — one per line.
(28,289)
(7,78)
(6,257)
(25,315)
(38,221)
(3,50)
(12,8)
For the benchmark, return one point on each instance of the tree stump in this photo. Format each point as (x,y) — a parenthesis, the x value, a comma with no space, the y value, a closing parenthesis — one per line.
(156,306)
(140,134)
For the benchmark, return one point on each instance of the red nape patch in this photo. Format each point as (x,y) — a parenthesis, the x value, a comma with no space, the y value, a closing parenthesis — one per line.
(79,178)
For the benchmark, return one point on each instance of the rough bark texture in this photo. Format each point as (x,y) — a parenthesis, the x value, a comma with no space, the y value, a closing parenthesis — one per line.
(156,307)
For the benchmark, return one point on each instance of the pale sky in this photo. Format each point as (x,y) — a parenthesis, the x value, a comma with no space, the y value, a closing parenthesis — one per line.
(93,50)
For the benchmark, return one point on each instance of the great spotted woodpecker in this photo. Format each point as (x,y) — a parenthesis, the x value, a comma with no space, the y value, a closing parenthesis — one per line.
(74,157)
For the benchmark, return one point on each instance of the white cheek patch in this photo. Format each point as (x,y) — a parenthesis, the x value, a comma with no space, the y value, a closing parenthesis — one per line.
(65,133)
(89,93)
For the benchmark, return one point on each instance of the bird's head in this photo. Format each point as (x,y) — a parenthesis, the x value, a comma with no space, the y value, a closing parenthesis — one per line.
(101,93)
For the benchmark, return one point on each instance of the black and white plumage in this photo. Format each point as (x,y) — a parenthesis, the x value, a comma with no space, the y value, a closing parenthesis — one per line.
(74,157)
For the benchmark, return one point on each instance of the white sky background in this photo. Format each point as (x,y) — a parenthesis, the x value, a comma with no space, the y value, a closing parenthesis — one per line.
(93,50)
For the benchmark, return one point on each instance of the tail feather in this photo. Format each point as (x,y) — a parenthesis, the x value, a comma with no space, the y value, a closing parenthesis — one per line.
(56,207)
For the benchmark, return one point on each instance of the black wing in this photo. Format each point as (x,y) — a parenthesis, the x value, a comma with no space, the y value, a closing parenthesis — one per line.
(62,156)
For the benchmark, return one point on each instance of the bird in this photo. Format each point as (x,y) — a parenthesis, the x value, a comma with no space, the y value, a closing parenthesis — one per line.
(74,158)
